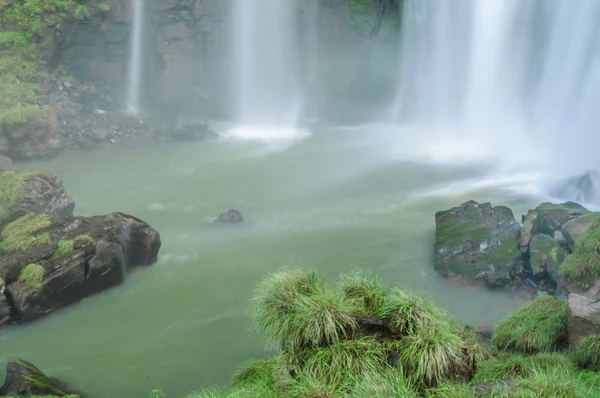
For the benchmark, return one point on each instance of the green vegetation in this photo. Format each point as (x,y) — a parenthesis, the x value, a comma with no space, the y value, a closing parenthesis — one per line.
(64,247)
(32,275)
(539,326)
(22,233)
(399,345)
(587,353)
(36,22)
(363,15)
(583,265)
(561,206)
(1,282)
(12,189)
(42,382)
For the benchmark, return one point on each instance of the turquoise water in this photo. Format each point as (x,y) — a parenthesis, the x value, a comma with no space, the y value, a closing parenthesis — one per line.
(337,200)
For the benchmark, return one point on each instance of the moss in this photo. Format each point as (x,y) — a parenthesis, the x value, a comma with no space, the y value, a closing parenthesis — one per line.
(42,382)
(65,246)
(22,233)
(561,206)
(84,238)
(12,191)
(583,265)
(587,353)
(538,326)
(32,275)
(452,232)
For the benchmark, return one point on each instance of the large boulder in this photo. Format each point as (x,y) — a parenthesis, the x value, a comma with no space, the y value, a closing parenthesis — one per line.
(478,241)
(38,138)
(575,229)
(23,379)
(548,218)
(546,257)
(22,193)
(50,259)
(583,317)
(70,258)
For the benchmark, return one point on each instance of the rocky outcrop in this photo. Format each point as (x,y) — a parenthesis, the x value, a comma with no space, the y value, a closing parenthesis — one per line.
(50,259)
(478,242)
(23,379)
(38,138)
(583,317)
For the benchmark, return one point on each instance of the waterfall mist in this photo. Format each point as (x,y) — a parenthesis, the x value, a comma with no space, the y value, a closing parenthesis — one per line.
(517,80)
(134,71)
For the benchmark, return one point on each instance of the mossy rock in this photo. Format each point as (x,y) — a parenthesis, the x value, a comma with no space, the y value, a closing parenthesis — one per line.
(25,379)
(583,265)
(553,216)
(477,241)
(546,256)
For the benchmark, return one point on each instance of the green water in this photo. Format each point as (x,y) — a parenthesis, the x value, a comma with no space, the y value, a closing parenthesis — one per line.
(336,201)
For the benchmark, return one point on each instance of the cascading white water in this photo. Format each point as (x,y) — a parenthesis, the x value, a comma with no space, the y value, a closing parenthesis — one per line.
(134,71)
(266,73)
(519,80)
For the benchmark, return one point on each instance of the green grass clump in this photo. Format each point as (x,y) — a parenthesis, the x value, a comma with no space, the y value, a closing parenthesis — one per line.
(583,264)
(84,238)
(295,310)
(1,282)
(22,233)
(518,366)
(32,275)
(587,353)
(65,246)
(387,383)
(538,326)
(366,291)
(12,191)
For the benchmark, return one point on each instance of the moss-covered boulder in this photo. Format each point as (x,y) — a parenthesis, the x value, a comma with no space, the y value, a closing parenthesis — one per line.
(23,379)
(582,267)
(478,241)
(50,259)
(77,257)
(548,218)
(22,193)
(575,230)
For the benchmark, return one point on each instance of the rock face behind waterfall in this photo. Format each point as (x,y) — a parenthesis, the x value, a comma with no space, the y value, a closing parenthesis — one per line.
(478,241)
(50,259)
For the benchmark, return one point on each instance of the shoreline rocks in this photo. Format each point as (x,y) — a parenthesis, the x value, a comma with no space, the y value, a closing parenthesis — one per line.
(479,242)
(25,379)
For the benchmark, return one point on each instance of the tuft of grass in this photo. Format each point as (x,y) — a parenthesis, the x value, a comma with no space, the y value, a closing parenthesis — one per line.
(538,326)
(21,234)
(587,353)
(12,191)
(1,282)
(518,366)
(271,374)
(84,238)
(366,290)
(583,264)
(337,363)
(295,310)
(65,246)
(32,275)
(387,383)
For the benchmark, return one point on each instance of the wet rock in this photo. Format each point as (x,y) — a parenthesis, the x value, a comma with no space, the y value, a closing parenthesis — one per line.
(39,138)
(478,241)
(24,379)
(575,229)
(546,257)
(5,163)
(583,317)
(551,217)
(44,193)
(529,229)
(560,238)
(582,188)
(231,217)
(87,255)
(5,310)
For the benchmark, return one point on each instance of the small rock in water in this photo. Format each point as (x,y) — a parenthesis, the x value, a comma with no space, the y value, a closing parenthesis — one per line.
(232,217)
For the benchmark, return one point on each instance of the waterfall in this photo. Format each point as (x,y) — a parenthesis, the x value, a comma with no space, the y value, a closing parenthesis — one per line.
(134,71)
(266,73)
(520,78)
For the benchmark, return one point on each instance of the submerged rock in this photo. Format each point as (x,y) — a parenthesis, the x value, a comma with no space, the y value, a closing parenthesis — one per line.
(232,217)
(582,188)
(24,379)
(583,317)
(478,241)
